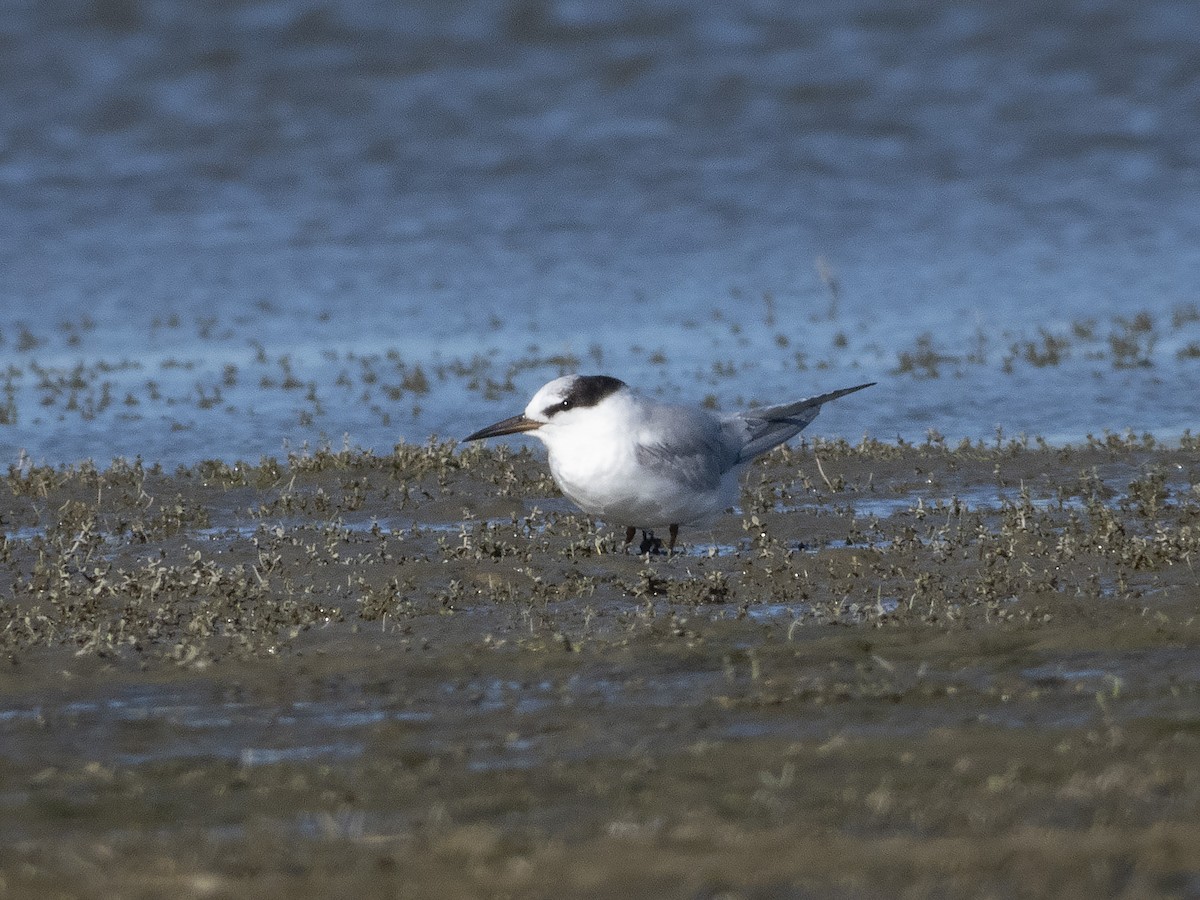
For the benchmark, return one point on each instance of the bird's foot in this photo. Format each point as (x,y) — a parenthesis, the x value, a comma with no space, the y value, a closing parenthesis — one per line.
(650,544)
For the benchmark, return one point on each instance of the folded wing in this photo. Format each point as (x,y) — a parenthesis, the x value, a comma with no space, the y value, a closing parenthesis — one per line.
(690,447)
(695,449)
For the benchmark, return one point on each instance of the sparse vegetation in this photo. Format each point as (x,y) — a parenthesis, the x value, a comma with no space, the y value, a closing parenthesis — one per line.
(928,632)
(424,664)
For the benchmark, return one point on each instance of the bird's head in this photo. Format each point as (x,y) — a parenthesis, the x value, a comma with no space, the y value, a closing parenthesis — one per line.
(557,404)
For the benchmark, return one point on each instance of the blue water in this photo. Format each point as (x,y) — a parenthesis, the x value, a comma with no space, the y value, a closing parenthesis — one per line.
(228,229)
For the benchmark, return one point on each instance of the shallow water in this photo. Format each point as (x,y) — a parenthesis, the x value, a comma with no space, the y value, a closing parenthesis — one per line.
(256,223)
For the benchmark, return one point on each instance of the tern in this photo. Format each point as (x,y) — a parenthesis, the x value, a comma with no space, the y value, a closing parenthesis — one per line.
(627,459)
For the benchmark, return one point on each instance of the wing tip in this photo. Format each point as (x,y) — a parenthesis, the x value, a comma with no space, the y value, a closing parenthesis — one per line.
(834,395)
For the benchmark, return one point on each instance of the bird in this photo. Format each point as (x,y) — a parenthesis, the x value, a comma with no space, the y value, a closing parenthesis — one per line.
(631,460)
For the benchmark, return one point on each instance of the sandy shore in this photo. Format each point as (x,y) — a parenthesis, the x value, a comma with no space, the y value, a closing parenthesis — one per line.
(897,670)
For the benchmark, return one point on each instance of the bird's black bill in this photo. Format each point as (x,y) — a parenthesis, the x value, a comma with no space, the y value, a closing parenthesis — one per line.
(511,425)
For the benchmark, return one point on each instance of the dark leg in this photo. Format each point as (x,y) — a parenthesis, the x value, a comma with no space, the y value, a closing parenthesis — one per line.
(671,543)
(629,533)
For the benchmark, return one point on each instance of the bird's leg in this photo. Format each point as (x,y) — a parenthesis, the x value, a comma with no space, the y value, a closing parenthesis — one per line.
(650,544)
(674,532)
(630,531)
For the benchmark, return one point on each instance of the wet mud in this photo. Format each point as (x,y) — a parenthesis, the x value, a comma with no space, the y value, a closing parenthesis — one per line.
(896,670)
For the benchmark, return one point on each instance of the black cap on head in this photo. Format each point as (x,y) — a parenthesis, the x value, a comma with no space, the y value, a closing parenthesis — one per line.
(585,390)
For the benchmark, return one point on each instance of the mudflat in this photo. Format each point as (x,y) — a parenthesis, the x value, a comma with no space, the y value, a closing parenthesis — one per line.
(897,670)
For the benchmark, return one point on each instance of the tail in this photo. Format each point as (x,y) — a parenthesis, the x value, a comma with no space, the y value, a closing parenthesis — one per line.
(769,426)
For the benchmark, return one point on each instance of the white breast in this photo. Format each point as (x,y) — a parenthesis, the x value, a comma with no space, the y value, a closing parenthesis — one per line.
(595,462)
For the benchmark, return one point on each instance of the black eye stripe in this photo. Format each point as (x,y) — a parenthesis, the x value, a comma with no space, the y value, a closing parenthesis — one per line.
(561,406)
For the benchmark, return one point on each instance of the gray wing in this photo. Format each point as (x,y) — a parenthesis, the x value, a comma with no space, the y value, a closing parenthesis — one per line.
(689,446)
(768,426)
